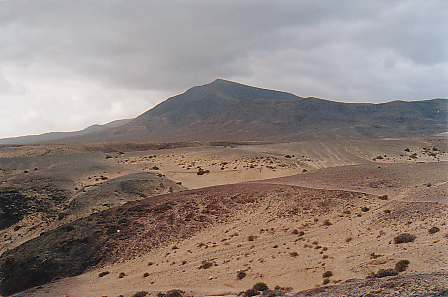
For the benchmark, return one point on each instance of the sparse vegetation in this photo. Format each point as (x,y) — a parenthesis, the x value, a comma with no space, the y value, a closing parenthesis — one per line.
(433,230)
(241,274)
(206,264)
(385,272)
(365,209)
(401,265)
(171,293)
(260,286)
(140,294)
(250,293)
(404,238)
(383,197)
(202,171)
(327,274)
(121,275)
(103,273)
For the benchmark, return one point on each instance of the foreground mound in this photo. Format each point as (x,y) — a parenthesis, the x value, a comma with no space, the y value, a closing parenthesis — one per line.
(138,227)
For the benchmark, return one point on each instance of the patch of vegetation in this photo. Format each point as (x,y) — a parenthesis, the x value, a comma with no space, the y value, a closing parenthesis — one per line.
(250,293)
(365,209)
(433,230)
(404,238)
(385,272)
(140,294)
(206,264)
(241,275)
(260,286)
(171,293)
(202,171)
(327,274)
(401,265)
(102,274)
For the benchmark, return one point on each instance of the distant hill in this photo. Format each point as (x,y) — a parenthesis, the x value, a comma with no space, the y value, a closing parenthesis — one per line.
(229,111)
(57,136)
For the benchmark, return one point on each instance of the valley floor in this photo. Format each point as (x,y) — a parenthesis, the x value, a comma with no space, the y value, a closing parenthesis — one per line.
(320,218)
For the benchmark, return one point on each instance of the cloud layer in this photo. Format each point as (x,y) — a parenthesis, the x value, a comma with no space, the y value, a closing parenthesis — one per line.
(67,64)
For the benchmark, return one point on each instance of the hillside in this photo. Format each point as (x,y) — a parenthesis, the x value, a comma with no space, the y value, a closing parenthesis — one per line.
(59,136)
(229,111)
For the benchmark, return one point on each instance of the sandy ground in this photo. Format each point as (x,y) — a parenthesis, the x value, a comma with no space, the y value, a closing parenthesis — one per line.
(358,241)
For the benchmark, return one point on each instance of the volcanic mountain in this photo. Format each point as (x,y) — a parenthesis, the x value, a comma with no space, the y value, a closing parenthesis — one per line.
(227,111)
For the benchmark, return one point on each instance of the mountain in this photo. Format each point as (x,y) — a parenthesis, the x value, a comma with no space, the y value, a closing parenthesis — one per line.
(57,136)
(227,111)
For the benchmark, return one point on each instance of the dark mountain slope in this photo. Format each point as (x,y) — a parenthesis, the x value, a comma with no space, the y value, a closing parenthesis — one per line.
(224,110)
(229,111)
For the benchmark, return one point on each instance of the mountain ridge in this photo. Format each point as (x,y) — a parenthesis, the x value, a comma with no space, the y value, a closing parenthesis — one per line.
(228,111)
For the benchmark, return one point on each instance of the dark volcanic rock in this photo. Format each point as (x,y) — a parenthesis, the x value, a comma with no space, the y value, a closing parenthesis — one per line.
(13,207)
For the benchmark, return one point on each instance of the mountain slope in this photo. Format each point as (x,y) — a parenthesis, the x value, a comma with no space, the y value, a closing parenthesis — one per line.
(229,111)
(224,110)
(57,136)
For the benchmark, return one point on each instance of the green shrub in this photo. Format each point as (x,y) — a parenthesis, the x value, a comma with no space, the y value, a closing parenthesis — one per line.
(260,286)
(401,265)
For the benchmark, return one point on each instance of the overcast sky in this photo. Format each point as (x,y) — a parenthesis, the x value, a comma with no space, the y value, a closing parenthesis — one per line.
(66,64)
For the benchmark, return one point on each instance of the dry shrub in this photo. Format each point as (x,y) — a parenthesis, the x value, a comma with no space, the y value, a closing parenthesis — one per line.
(241,275)
(404,238)
(104,273)
(401,265)
(327,274)
(433,230)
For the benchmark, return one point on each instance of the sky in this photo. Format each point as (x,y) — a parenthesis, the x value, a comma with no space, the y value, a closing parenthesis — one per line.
(68,64)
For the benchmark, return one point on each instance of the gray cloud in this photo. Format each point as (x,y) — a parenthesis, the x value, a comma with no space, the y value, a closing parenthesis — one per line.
(65,64)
